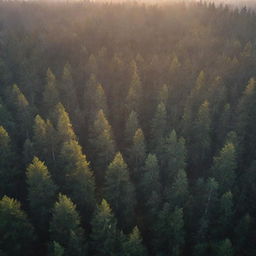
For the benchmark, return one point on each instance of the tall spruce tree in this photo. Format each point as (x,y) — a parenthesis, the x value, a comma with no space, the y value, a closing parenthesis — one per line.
(119,191)
(102,146)
(41,194)
(104,231)
(16,233)
(65,225)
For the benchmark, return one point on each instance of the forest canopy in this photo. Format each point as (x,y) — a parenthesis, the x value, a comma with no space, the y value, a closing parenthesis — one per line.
(127,129)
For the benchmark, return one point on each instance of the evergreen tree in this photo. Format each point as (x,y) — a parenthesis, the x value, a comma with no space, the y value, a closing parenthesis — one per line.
(22,114)
(133,246)
(50,94)
(102,146)
(170,231)
(65,224)
(224,167)
(177,194)
(119,191)
(63,124)
(172,157)
(135,90)
(137,154)
(158,127)
(9,175)
(67,90)
(16,233)
(225,248)
(44,140)
(104,231)
(246,123)
(132,125)
(76,178)
(41,193)
(200,147)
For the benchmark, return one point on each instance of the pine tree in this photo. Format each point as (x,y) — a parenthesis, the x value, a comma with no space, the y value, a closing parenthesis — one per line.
(137,154)
(76,178)
(151,179)
(22,114)
(50,94)
(200,147)
(177,193)
(102,146)
(16,233)
(163,95)
(67,90)
(246,123)
(44,140)
(41,193)
(133,246)
(104,231)
(56,249)
(172,158)
(158,127)
(63,124)
(225,248)
(9,175)
(170,231)
(119,191)
(135,90)
(65,224)
(224,167)
(132,125)
(94,100)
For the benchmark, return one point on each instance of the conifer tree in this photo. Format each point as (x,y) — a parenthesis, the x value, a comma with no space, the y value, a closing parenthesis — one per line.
(170,231)
(22,114)
(177,193)
(44,140)
(224,166)
(225,248)
(104,231)
(137,154)
(246,123)
(172,157)
(9,175)
(50,94)
(119,191)
(94,100)
(135,90)
(76,177)
(201,141)
(102,146)
(132,125)
(151,179)
(16,233)
(41,193)
(133,246)
(63,124)
(158,127)
(65,224)
(67,90)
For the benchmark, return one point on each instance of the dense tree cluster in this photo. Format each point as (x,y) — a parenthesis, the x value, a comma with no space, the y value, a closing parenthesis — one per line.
(127,129)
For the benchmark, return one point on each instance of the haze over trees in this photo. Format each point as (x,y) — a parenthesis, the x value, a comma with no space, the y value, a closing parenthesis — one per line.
(127,129)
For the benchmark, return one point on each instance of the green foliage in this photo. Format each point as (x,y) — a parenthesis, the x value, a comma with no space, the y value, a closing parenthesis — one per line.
(132,125)
(41,193)
(9,175)
(65,226)
(16,233)
(50,94)
(76,178)
(133,246)
(102,145)
(224,167)
(119,191)
(104,231)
